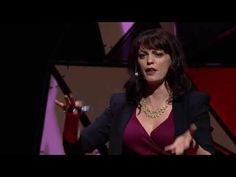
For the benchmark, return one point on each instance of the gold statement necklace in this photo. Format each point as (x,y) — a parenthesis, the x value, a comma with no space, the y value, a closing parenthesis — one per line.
(152,114)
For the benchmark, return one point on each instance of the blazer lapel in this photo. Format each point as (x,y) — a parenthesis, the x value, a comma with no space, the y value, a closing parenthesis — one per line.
(125,116)
(120,123)
(180,117)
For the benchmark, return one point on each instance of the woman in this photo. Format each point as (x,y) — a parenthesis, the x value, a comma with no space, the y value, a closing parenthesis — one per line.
(158,114)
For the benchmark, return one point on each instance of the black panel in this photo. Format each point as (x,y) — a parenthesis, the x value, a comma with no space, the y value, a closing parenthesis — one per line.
(79,43)
(208,43)
(24,85)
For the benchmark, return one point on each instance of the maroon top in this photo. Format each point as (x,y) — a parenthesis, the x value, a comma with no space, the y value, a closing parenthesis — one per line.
(137,141)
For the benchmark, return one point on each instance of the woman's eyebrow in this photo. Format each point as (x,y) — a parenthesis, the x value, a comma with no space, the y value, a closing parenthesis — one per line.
(142,51)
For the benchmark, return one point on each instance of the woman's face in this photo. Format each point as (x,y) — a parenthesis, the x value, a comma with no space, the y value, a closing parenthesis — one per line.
(154,64)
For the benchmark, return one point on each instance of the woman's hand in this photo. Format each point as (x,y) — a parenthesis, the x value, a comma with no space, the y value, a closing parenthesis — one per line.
(71,105)
(72,109)
(183,142)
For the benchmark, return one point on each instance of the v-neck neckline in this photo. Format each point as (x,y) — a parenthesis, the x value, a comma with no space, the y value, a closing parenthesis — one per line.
(161,124)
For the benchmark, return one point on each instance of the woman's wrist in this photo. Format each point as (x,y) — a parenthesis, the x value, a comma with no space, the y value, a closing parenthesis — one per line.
(193,147)
(71,127)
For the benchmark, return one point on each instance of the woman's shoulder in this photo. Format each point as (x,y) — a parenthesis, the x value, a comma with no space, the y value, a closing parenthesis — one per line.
(197,96)
(195,93)
(118,98)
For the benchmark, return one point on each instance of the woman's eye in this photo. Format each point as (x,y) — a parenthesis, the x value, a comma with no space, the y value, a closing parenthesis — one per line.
(141,56)
(158,54)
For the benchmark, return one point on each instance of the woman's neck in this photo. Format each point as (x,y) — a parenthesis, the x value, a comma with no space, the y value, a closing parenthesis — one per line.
(157,94)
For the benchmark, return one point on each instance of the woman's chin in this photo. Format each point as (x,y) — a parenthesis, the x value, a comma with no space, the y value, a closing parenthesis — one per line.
(153,81)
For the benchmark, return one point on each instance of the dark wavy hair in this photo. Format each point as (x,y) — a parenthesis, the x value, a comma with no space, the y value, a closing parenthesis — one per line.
(176,79)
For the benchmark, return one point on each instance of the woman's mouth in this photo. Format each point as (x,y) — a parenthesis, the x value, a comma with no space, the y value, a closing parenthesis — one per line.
(150,71)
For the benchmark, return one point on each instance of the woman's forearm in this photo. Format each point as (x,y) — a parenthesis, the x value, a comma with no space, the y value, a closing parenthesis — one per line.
(71,127)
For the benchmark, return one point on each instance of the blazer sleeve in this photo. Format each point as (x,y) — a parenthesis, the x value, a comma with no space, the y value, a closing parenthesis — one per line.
(199,113)
(94,135)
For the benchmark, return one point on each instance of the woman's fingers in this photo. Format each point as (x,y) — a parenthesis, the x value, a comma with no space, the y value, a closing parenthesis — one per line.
(175,148)
(78,104)
(70,105)
(72,100)
(179,151)
(67,99)
(169,148)
(62,105)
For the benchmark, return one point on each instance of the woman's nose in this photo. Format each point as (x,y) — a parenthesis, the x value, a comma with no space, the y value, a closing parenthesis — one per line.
(150,60)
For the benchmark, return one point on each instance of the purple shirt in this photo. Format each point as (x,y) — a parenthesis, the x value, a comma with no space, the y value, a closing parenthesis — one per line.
(137,141)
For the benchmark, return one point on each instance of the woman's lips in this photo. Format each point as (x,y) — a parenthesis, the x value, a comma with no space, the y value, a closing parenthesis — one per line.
(150,71)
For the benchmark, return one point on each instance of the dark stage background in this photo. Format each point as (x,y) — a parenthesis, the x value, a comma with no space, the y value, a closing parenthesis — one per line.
(30,51)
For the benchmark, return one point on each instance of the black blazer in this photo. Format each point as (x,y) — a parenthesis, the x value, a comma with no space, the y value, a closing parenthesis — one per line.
(187,109)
